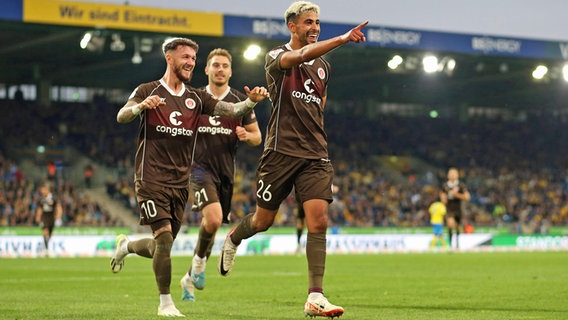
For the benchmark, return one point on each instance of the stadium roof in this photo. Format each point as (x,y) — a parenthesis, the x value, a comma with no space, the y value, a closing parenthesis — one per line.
(49,54)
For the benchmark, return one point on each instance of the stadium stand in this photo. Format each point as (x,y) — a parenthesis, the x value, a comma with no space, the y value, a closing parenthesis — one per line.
(387,167)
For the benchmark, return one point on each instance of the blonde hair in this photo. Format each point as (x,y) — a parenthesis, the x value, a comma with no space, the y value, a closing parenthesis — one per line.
(173,43)
(299,7)
(219,52)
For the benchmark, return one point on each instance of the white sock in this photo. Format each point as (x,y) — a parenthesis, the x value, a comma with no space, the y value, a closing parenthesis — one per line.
(166,299)
(186,276)
(314,295)
(198,264)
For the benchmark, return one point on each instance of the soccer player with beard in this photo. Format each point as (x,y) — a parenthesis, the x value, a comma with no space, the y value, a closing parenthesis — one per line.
(169,111)
(213,168)
(295,154)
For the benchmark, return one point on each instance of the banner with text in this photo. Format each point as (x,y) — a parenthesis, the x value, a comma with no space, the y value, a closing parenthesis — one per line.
(387,37)
(104,246)
(531,241)
(122,17)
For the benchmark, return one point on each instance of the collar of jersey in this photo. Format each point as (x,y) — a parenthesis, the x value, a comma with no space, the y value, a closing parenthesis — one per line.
(179,94)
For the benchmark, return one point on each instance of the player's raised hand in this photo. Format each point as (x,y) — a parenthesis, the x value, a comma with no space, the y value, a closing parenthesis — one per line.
(257,94)
(355,34)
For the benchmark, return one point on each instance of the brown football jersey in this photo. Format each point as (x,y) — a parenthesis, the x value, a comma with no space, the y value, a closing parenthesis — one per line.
(296,125)
(167,133)
(216,141)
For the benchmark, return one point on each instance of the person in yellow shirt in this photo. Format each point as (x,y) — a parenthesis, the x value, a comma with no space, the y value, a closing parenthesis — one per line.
(437,212)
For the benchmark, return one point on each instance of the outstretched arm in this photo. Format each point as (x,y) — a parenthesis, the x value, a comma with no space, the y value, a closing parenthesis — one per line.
(237,110)
(314,50)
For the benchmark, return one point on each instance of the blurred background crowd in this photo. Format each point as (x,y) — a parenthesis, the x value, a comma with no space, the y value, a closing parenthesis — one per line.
(388,168)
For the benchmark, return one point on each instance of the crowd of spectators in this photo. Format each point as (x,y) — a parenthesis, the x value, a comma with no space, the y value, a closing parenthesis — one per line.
(19,198)
(516,173)
(27,126)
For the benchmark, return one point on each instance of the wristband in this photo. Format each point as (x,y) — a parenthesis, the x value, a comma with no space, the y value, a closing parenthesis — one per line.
(249,103)
(136,109)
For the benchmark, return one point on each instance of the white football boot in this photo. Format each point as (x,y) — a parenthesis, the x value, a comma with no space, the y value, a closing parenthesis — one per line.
(318,306)
(117,260)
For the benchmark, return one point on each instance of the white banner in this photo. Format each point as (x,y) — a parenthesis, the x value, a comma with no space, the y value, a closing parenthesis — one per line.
(184,245)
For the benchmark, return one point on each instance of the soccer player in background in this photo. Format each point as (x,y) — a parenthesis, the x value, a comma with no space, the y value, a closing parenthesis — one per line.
(437,212)
(295,154)
(453,194)
(213,168)
(48,212)
(169,111)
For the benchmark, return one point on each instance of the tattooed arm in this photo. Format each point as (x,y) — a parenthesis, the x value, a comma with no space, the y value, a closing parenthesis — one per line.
(237,110)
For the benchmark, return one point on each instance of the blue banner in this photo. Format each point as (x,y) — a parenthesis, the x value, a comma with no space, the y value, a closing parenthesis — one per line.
(378,36)
(11,10)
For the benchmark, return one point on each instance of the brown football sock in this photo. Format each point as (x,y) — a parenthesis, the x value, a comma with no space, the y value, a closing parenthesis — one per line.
(203,242)
(315,253)
(143,247)
(210,247)
(243,230)
(201,250)
(162,261)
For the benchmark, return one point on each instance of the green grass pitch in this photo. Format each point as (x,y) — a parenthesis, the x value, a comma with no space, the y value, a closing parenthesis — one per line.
(481,285)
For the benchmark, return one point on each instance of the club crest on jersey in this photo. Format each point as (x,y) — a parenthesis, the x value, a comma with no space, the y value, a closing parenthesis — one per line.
(274,53)
(321,73)
(190,103)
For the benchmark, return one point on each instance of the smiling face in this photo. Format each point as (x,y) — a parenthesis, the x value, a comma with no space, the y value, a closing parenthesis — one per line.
(305,28)
(218,70)
(181,60)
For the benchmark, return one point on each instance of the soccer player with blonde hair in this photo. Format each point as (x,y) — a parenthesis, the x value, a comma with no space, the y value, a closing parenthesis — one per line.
(295,154)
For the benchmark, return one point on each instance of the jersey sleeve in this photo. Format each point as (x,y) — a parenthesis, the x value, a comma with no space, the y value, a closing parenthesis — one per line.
(249,118)
(140,93)
(208,101)
(273,59)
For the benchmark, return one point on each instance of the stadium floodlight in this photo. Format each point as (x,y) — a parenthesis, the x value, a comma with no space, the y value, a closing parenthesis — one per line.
(565,72)
(136,58)
(539,72)
(450,64)
(447,65)
(85,40)
(395,62)
(92,40)
(430,63)
(252,52)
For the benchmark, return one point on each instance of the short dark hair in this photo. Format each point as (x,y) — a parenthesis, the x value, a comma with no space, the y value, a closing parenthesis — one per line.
(173,43)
